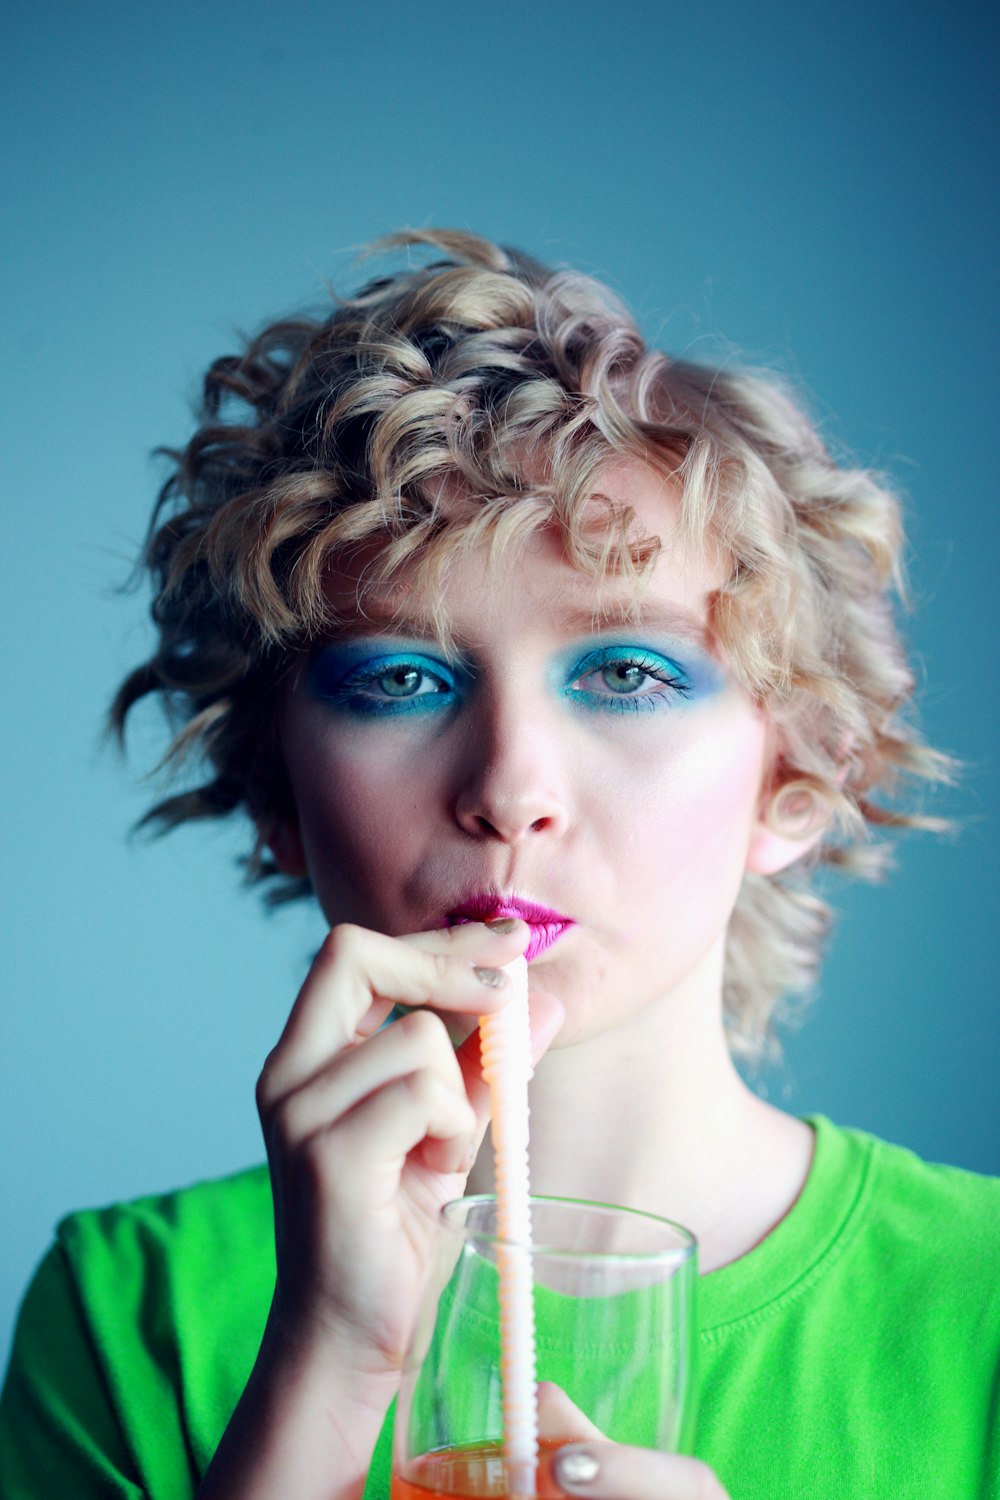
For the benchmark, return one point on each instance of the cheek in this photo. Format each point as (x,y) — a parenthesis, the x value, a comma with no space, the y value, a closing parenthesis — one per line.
(690,827)
(359,814)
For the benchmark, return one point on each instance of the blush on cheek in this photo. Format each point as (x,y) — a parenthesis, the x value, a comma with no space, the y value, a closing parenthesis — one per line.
(722,807)
(688,857)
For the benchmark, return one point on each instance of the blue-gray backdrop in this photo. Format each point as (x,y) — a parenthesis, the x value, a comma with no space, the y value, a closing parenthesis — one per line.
(807,185)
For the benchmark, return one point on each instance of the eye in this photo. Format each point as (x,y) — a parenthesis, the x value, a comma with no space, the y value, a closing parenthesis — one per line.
(635,678)
(406,681)
(383,684)
(624,677)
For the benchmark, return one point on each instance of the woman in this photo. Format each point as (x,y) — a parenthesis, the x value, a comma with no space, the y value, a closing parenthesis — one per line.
(512,635)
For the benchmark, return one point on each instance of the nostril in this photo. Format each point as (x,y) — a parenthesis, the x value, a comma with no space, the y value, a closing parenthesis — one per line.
(507,824)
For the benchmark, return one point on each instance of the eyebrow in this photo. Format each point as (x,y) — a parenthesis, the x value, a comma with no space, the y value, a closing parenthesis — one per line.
(672,618)
(574,618)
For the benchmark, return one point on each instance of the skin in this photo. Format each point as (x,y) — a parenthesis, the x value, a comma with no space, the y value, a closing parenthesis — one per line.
(518,771)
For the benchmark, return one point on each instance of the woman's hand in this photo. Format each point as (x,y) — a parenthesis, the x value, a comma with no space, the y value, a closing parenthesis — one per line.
(369,1132)
(610,1471)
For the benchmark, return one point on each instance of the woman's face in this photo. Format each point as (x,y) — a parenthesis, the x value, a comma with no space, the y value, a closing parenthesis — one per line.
(609,775)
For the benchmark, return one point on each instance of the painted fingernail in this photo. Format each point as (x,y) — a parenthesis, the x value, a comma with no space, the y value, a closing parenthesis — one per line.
(575,1466)
(500,925)
(494,979)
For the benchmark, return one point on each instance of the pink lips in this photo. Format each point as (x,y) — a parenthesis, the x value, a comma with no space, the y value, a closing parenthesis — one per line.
(546,926)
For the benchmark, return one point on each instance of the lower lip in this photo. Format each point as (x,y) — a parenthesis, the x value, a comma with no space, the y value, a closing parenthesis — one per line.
(543,934)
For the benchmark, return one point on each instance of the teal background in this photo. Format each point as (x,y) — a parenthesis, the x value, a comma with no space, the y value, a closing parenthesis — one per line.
(807,185)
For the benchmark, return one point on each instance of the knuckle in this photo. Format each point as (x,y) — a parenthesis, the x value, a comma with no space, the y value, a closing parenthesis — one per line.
(428,1096)
(422,1028)
(265,1088)
(442,967)
(434,1099)
(343,942)
(419,1088)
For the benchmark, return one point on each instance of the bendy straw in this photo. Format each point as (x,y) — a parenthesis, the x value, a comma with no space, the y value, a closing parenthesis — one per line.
(505,1043)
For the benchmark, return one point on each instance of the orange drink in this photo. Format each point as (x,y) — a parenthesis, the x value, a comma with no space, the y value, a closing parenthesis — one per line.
(472,1473)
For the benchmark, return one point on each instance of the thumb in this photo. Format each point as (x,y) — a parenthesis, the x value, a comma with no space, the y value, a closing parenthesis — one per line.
(606,1471)
(560,1419)
(547,1014)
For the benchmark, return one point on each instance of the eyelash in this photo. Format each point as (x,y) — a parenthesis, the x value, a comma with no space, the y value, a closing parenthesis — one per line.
(352,690)
(658,668)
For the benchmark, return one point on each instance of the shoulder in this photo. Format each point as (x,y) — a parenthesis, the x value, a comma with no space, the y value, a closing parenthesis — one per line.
(221,1209)
(902,1183)
(855,1350)
(159,1304)
(923,1219)
(205,1251)
(196,1219)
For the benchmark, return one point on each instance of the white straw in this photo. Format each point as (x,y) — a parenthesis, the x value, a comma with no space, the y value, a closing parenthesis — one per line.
(505,1041)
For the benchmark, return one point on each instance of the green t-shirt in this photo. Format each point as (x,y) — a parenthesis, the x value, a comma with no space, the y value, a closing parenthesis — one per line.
(854,1353)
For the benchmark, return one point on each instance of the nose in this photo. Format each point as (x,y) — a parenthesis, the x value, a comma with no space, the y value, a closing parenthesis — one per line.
(512,775)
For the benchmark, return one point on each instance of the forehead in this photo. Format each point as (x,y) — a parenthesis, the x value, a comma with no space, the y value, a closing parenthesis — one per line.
(676,591)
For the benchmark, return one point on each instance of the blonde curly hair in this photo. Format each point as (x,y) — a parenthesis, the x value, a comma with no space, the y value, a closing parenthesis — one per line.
(473,400)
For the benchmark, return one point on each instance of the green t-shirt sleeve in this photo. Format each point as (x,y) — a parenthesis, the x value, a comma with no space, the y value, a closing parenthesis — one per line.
(58,1431)
(134,1342)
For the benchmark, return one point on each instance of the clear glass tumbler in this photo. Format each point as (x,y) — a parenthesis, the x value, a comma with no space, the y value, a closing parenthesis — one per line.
(614,1298)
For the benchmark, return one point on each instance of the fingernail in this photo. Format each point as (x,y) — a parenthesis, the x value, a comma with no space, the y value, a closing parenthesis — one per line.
(575,1466)
(500,925)
(494,979)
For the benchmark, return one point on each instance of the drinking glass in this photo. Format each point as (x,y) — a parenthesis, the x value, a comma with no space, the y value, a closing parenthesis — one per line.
(614,1300)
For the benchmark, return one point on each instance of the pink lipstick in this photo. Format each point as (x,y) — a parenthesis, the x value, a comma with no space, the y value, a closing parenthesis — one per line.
(546,926)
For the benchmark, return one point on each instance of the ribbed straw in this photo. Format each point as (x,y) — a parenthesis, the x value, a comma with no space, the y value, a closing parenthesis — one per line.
(505,1042)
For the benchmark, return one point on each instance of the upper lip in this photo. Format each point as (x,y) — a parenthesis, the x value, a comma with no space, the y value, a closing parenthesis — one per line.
(485,906)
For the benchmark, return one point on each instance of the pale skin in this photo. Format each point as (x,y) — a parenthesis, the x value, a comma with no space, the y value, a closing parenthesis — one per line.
(517,777)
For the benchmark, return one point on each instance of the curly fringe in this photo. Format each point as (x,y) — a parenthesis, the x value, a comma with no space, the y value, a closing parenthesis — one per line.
(469,402)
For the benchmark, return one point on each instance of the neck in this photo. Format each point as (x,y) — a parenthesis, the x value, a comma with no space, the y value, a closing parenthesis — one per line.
(653,1115)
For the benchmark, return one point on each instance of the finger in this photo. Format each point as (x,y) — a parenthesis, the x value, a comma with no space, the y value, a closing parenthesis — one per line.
(492,944)
(417,1041)
(447,968)
(356,977)
(559,1418)
(546,1014)
(611,1471)
(501,940)
(373,1141)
